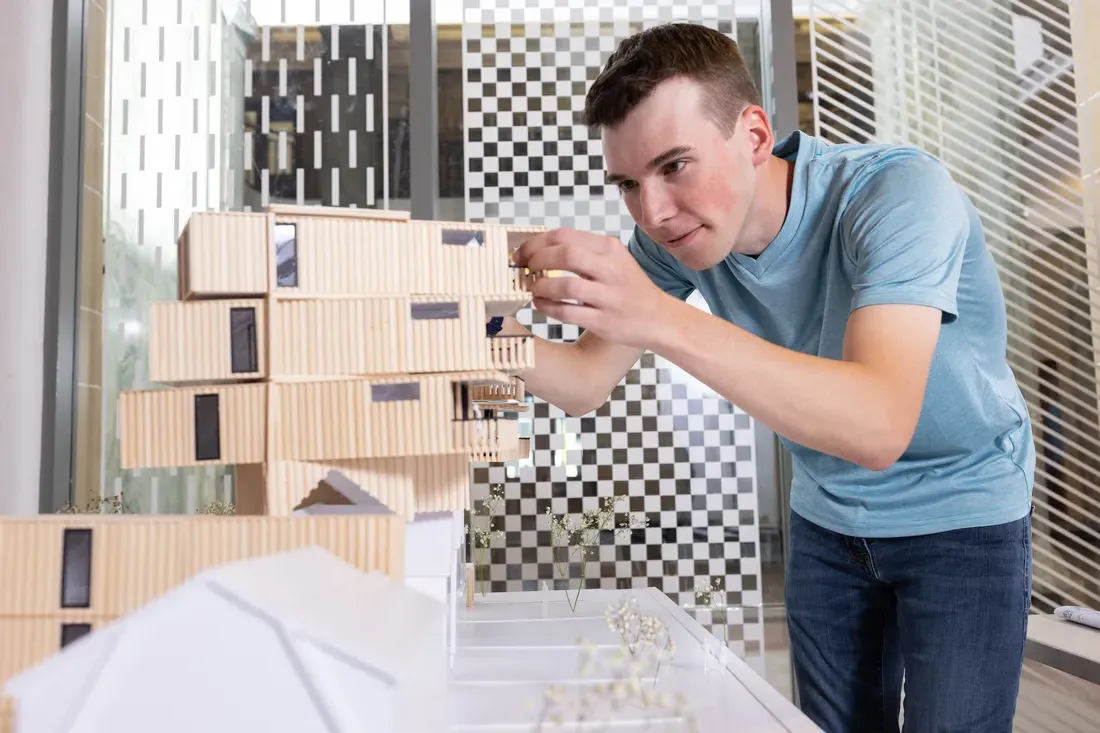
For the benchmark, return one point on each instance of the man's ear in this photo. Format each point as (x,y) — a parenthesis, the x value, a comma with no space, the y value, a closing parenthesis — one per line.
(755,124)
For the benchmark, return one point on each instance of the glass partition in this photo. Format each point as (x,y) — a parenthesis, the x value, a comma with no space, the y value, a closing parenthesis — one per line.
(233,105)
(512,81)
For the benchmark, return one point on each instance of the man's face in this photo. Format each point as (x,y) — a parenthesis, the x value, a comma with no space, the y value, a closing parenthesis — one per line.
(687,184)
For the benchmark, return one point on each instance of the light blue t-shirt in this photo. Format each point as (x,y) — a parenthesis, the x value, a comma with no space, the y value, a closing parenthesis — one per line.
(872,224)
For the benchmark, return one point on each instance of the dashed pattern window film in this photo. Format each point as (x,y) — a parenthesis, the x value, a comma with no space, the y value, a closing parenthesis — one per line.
(312,116)
(231,106)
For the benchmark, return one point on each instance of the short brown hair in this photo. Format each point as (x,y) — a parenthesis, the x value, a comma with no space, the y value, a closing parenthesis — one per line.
(680,49)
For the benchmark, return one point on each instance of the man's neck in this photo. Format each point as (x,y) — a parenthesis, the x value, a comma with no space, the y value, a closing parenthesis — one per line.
(773,200)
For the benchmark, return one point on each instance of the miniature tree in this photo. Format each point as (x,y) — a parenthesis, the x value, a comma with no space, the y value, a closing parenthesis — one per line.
(573,542)
(713,597)
(483,536)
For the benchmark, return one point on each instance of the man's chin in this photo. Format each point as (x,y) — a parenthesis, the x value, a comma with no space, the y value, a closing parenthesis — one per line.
(698,257)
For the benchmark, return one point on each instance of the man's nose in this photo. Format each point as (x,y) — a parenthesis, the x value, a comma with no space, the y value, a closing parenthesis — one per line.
(657,206)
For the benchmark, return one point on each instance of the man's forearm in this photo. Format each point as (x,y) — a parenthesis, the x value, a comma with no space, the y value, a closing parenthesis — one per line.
(837,407)
(558,376)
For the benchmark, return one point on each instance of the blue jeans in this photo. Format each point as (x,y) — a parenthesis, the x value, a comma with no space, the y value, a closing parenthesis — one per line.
(948,609)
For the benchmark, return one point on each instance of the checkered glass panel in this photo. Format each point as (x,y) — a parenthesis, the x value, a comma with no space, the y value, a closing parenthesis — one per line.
(683,455)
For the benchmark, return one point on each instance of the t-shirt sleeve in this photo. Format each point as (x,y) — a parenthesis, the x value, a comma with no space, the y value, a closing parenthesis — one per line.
(654,262)
(905,229)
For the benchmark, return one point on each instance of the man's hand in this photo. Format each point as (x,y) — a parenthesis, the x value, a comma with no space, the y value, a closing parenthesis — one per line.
(615,299)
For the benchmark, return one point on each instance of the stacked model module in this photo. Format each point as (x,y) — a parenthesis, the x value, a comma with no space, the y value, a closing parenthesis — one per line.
(312,339)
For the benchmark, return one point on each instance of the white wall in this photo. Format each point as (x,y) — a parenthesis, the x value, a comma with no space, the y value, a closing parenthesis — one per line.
(24,194)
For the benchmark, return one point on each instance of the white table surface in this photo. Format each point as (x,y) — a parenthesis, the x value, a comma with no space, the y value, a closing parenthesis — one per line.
(1070,647)
(511,646)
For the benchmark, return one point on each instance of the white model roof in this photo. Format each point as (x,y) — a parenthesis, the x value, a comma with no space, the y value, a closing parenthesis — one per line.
(337,494)
(293,641)
(315,595)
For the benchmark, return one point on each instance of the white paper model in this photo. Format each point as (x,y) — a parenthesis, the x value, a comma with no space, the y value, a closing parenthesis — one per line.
(285,643)
(433,542)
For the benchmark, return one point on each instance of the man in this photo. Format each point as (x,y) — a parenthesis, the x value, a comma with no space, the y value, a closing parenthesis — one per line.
(857,312)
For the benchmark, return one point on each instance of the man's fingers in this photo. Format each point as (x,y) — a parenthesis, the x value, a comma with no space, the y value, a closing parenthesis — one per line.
(564,288)
(571,256)
(577,315)
(543,251)
(532,244)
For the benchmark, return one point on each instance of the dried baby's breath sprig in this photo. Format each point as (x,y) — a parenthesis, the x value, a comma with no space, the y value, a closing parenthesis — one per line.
(642,635)
(98,505)
(578,538)
(219,507)
(620,674)
(483,536)
(714,597)
(494,503)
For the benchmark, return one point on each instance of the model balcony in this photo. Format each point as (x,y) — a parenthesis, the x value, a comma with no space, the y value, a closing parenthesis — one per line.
(486,437)
(520,452)
(511,353)
(487,395)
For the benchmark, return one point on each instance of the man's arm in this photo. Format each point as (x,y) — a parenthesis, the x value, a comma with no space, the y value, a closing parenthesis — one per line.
(577,377)
(863,408)
(905,231)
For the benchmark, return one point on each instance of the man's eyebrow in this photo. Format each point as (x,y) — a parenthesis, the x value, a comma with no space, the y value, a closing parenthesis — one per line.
(658,161)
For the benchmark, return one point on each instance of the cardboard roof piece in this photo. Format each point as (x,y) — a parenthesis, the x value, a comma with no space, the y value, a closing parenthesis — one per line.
(430,536)
(338,494)
(295,641)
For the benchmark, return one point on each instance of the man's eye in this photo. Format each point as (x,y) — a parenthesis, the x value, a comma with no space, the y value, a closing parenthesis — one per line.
(675,166)
(626,185)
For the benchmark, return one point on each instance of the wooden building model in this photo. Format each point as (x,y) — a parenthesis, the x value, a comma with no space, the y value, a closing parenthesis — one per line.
(67,575)
(308,345)
(313,339)
(343,648)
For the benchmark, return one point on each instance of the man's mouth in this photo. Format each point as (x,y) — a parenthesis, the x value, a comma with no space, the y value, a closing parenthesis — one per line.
(682,239)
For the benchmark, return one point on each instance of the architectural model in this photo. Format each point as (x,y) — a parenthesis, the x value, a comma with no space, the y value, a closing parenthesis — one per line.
(310,339)
(339,360)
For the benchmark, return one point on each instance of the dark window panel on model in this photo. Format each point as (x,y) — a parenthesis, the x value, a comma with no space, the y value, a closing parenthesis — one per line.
(463,237)
(72,632)
(76,568)
(242,340)
(286,255)
(395,392)
(433,311)
(462,401)
(207,428)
